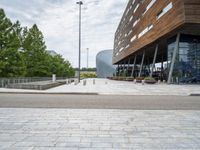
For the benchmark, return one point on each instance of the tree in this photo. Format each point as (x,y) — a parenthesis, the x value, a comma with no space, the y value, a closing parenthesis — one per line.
(11,61)
(23,52)
(60,67)
(34,52)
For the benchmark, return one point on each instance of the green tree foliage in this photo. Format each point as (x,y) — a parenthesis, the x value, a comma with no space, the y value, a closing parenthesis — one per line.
(60,67)
(34,51)
(23,52)
(11,60)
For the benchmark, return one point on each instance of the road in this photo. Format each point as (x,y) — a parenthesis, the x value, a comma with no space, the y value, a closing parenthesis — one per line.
(99,102)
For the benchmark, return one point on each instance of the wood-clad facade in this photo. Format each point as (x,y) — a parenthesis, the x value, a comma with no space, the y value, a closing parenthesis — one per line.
(147,24)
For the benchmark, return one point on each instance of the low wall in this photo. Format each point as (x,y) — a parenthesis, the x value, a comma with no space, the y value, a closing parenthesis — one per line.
(43,85)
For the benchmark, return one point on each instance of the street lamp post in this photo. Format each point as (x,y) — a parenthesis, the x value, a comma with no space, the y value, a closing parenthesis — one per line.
(87,58)
(79,58)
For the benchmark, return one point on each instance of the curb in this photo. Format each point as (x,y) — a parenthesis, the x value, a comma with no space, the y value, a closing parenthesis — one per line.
(53,93)
(193,94)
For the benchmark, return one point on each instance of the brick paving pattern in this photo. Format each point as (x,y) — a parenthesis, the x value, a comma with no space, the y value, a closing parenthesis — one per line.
(98,129)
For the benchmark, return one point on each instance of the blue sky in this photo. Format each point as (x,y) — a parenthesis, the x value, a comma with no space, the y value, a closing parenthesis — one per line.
(58,20)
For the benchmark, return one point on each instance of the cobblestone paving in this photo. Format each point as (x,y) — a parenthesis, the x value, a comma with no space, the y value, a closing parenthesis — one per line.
(74,129)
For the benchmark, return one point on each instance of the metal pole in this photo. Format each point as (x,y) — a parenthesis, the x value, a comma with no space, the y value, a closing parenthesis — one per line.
(79,56)
(141,66)
(173,58)
(154,60)
(87,57)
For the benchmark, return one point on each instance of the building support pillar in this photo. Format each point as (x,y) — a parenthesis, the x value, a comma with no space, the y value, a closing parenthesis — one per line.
(124,71)
(118,69)
(149,67)
(128,66)
(134,63)
(173,58)
(154,60)
(141,66)
(121,69)
(162,67)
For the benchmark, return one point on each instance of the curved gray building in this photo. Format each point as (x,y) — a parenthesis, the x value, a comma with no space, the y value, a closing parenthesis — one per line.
(104,64)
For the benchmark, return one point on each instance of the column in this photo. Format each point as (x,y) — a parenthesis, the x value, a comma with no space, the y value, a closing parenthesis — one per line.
(128,66)
(133,69)
(173,58)
(141,66)
(154,60)
(124,68)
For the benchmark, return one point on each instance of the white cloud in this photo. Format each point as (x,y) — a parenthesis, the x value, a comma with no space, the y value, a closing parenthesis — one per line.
(58,20)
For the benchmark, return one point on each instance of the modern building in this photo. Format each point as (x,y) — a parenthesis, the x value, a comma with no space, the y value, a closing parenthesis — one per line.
(159,38)
(52,52)
(104,64)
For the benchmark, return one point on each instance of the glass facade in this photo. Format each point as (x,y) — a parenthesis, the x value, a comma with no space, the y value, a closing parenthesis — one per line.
(187,63)
(104,64)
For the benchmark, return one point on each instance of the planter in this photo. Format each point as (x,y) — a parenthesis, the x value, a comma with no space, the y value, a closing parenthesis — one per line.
(130,79)
(150,81)
(139,79)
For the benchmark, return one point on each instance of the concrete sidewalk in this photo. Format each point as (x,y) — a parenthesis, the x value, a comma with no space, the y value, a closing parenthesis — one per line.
(78,129)
(110,87)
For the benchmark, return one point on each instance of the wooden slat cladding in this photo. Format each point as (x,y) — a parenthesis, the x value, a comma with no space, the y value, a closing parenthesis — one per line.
(192,11)
(174,18)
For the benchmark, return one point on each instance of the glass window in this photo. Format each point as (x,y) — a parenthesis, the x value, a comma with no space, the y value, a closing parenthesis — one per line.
(133,38)
(131,18)
(187,63)
(127,46)
(130,32)
(134,24)
(164,11)
(149,6)
(121,49)
(145,30)
(136,8)
(133,2)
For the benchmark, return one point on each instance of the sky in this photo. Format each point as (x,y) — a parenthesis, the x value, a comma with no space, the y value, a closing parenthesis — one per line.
(58,20)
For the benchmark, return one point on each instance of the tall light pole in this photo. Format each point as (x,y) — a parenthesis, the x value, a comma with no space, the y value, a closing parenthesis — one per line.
(87,58)
(79,57)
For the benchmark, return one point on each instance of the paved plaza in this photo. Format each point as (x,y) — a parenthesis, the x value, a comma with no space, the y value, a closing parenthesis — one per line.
(111,87)
(115,115)
(74,129)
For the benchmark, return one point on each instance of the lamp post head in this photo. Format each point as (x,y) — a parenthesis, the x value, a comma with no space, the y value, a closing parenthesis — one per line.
(80,3)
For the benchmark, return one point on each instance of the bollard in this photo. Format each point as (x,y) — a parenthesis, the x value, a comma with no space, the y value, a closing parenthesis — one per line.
(75,82)
(164,81)
(84,82)
(93,81)
(135,81)
(53,78)
(142,82)
(177,80)
(67,81)
(159,81)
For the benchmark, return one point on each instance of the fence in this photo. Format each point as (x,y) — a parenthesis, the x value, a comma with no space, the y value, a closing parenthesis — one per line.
(6,81)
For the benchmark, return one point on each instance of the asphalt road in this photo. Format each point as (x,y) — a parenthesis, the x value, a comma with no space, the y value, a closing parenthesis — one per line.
(99,102)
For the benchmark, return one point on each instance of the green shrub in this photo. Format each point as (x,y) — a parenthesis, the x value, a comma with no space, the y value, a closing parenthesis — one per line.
(149,78)
(88,75)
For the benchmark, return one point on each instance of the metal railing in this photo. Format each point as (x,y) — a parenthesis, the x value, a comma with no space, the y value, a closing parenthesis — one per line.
(6,81)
